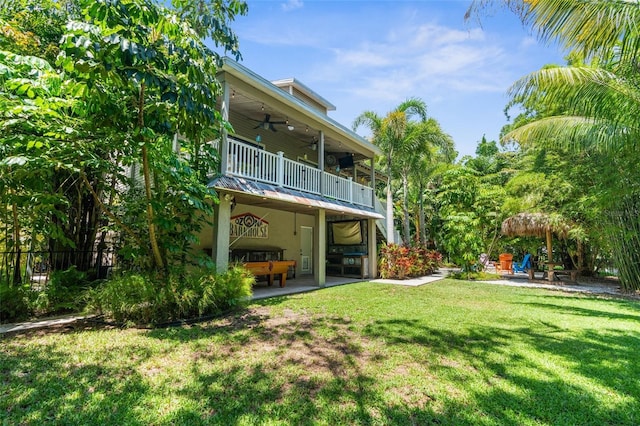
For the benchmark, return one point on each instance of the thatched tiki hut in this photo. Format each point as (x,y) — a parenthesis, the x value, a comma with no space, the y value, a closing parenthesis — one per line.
(536,225)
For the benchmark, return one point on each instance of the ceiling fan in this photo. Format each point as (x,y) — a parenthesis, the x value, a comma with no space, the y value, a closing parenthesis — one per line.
(268,124)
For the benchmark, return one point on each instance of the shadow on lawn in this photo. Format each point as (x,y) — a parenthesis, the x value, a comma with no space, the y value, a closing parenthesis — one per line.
(632,308)
(46,386)
(296,369)
(309,378)
(281,370)
(609,358)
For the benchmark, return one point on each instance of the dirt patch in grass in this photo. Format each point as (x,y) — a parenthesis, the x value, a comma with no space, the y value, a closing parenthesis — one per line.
(293,338)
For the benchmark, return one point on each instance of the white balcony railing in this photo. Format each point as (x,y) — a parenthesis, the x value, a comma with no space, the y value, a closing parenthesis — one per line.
(257,164)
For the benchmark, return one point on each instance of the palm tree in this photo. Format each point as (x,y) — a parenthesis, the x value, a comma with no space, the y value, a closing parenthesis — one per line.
(599,102)
(594,28)
(390,134)
(428,144)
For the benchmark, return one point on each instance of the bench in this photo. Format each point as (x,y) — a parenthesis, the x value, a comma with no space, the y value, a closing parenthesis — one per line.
(271,268)
(553,274)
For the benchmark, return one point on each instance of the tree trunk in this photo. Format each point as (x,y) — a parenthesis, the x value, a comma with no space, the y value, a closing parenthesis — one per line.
(405,209)
(153,239)
(390,228)
(17,276)
(421,218)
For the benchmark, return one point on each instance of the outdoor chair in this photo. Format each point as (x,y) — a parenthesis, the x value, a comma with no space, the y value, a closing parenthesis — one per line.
(505,263)
(524,265)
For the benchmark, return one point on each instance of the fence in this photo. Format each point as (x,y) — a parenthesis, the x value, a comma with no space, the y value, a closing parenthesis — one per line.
(36,266)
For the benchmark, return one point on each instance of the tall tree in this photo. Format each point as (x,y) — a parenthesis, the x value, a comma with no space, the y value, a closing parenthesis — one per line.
(131,75)
(37,120)
(390,133)
(145,54)
(599,103)
(426,144)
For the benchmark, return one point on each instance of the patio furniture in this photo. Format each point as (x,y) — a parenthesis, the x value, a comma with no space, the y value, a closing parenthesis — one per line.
(553,274)
(270,269)
(524,265)
(505,263)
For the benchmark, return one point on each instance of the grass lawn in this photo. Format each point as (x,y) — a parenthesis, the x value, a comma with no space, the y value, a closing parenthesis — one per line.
(449,352)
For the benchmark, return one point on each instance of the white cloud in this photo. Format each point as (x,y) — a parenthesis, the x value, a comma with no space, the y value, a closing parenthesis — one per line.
(415,60)
(292,5)
(528,41)
(373,55)
(367,56)
(437,35)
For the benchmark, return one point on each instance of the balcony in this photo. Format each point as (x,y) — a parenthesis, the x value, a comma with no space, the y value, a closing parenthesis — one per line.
(253,163)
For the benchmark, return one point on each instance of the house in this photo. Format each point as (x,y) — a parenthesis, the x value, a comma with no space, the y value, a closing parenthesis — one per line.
(293,183)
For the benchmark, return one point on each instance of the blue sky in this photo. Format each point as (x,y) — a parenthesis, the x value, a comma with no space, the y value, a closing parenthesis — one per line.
(372,55)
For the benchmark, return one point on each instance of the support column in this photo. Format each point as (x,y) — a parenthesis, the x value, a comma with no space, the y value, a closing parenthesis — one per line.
(320,248)
(321,160)
(221,231)
(280,169)
(373,183)
(372,248)
(223,143)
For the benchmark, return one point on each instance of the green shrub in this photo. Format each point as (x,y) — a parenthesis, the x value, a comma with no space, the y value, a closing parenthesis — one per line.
(65,292)
(135,298)
(225,291)
(474,275)
(13,302)
(129,297)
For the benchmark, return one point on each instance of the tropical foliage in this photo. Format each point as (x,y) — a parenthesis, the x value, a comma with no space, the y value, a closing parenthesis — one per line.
(106,108)
(401,262)
(409,149)
(588,111)
(140,299)
(128,77)
(392,133)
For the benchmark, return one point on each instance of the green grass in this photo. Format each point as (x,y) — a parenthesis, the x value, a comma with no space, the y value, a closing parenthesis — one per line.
(450,352)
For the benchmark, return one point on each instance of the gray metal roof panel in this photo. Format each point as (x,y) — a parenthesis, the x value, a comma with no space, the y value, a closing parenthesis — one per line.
(265,190)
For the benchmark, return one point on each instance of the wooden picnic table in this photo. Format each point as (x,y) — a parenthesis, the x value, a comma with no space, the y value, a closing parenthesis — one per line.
(552,273)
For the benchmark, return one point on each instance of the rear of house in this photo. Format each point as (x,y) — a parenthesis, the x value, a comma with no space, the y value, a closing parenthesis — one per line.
(293,184)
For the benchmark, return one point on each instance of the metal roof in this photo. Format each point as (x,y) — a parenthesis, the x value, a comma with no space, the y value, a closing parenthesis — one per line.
(259,193)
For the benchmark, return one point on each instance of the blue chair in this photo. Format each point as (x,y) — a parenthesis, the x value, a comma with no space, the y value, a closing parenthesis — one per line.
(524,265)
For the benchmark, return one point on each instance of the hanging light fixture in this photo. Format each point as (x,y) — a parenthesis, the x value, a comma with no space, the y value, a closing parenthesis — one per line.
(289,126)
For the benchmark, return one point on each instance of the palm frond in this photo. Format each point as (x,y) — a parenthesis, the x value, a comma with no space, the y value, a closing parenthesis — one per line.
(591,28)
(413,107)
(369,119)
(577,133)
(584,91)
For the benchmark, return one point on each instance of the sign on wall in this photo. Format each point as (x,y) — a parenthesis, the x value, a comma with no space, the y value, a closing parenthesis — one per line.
(248,225)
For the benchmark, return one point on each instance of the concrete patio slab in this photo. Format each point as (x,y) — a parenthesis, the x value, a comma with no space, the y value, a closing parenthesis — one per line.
(414,282)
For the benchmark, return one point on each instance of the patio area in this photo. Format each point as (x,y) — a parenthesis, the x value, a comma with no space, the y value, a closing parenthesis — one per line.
(300,284)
